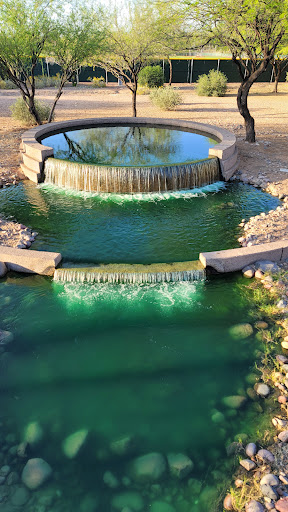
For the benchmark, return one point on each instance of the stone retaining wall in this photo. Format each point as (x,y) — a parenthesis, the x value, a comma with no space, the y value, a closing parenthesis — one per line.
(34,153)
(31,262)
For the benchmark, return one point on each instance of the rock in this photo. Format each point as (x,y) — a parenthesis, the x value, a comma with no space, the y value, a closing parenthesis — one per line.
(20,497)
(110,480)
(249,273)
(284,479)
(234,448)
(3,269)
(266,456)
(261,325)
(282,505)
(33,433)
(6,337)
(259,274)
(284,344)
(228,503)
(88,504)
(279,423)
(161,506)
(148,468)
(247,464)
(218,417)
(73,443)
(131,500)
(254,506)
(239,483)
(251,450)
(267,266)
(122,446)
(282,359)
(5,470)
(241,331)
(283,436)
(22,450)
(12,478)
(262,389)
(269,492)
(35,473)
(252,394)
(282,399)
(269,479)
(234,401)
(179,465)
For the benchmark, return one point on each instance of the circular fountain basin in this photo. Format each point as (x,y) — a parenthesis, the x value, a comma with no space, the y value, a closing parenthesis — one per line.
(196,164)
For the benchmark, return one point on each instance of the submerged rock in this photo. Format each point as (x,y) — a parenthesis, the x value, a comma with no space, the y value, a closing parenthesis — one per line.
(6,337)
(254,506)
(130,500)
(262,389)
(35,473)
(33,433)
(20,497)
(122,446)
(73,443)
(148,468)
(179,465)
(161,506)
(241,331)
(234,401)
(267,266)
(3,269)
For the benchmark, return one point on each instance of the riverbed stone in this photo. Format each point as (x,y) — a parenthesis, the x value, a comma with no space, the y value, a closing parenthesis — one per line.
(283,436)
(251,450)
(247,464)
(254,506)
(131,500)
(3,269)
(122,446)
(268,491)
(228,503)
(269,479)
(241,331)
(260,324)
(35,473)
(20,496)
(73,443)
(266,456)
(248,272)
(180,465)
(33,433)
(267,266)
(5,337)
(234,401)
(148,468)
(110,480)
(262,389)
(161,506)
(282,359)
(282,505)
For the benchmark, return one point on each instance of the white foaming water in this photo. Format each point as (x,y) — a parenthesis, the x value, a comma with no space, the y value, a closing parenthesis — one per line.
(145,197)
(130,299)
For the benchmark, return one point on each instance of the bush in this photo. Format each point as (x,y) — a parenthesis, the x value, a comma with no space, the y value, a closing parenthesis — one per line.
(166,98)
(143,90)
(47,81)
(151,76)
(98,82)
(213,84)
(21,113)
(7,84)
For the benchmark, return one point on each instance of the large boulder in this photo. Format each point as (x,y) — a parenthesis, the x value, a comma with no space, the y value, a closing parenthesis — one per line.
(148,468)
(35,473)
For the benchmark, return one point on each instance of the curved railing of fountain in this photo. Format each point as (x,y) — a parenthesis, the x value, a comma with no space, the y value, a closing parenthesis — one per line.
(34,153)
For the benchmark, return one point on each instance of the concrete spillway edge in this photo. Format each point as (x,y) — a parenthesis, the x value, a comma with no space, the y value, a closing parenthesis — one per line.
(34,153)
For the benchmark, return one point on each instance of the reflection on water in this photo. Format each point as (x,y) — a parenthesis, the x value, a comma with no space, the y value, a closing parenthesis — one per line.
(129,146)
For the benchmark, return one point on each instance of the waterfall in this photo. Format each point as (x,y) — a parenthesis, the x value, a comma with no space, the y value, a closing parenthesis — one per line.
(130,180)
(128,274)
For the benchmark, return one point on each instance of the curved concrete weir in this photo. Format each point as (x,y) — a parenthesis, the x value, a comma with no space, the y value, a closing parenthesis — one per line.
(34,153)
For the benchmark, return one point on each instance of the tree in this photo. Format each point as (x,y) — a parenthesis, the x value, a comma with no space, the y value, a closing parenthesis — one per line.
(79,35)
(280,62)
(24,30)
(134,40)
(252,30)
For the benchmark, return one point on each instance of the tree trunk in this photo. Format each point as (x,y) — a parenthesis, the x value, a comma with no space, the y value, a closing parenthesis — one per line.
(170,71)
(276,83)
(30,103)
(242,97)
(59,93)
(134,94)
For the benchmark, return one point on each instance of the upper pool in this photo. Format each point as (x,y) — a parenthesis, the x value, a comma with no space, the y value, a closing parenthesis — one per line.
(130,146)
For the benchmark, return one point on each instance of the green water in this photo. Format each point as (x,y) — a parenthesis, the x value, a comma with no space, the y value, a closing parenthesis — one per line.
(148,362)
(149,228)
(129,146)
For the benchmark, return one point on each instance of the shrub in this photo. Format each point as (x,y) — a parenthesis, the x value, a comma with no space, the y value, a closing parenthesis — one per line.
(213,84)
(21,113)
(166,98)
(143,90)
(151,76)
(98,82)
(7,84)
(47,81)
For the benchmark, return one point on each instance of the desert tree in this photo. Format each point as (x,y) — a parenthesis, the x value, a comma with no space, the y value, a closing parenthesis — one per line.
(25,26)
(79,36)
(251,30)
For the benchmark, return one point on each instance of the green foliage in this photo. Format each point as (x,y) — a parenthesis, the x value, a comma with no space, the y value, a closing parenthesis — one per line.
(7,84)
(151,76)
(213,84)
(98,82)
(47,81)
(166,98)
(21,113)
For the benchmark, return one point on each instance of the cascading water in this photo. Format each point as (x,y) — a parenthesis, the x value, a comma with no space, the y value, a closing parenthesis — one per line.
(133,274)
(130,180)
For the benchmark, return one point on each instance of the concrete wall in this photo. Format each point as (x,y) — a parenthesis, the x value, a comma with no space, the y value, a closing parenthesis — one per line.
(34,153)
(31,262)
